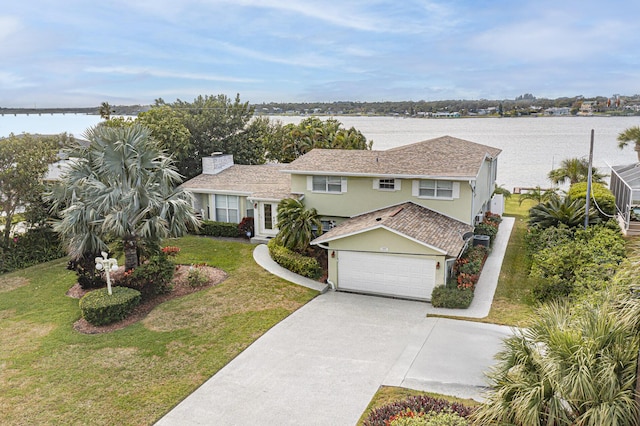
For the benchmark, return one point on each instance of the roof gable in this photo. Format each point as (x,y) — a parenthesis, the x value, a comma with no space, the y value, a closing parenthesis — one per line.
(415,222)
(445,157)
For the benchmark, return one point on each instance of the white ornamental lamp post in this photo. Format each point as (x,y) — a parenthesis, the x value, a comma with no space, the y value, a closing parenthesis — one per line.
(108,265)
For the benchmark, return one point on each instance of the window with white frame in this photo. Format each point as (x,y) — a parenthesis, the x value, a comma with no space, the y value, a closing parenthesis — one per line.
(327,184)
(227,208)
(435,188)
(389,184)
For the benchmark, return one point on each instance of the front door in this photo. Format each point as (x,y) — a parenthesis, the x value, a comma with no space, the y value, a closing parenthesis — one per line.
(269,218)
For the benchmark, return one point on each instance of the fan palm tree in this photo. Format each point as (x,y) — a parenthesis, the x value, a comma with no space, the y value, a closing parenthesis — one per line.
(630,135)
(297,225)
(575,170)
(570,367)
(122,186)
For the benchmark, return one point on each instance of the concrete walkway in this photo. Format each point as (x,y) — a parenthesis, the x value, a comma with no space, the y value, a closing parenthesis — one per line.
(263,258)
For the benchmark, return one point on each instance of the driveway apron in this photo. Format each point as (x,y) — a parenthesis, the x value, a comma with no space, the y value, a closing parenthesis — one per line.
(323,364)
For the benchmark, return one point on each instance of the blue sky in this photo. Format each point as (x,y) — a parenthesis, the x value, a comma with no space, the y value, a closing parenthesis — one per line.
(81,53)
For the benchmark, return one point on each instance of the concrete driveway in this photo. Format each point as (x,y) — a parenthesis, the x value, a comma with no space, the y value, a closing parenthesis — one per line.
(323,364)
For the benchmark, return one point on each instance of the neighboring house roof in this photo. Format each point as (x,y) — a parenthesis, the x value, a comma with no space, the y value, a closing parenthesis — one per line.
(263,181)
(443,157)
(413,221)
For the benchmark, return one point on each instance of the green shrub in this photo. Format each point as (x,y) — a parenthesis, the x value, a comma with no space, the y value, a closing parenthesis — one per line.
(604,198)
(486,229)
(219,229)
(443,418)
(100,308)
(85,268)
(469,267)
(579,261)
(451,297)
(37,245)
(196,277)
(294,262)
(151,278)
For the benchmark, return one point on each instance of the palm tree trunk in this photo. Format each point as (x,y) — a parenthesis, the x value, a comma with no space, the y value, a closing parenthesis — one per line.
(637,148)
(130,253)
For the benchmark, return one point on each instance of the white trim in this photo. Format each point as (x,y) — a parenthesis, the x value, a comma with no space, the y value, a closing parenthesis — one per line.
(397,186)
(343,184)
(219,191)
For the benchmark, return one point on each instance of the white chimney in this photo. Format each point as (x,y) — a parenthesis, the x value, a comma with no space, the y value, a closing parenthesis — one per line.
(216,163)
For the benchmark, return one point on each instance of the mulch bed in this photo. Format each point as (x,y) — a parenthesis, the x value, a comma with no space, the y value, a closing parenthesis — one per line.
(180,288)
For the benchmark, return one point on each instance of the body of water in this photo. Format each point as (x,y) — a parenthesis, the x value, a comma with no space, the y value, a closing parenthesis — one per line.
(531,146)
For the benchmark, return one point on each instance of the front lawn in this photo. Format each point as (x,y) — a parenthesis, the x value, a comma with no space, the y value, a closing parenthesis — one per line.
(50,373)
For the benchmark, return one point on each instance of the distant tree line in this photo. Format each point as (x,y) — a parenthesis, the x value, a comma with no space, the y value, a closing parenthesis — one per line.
(521,105)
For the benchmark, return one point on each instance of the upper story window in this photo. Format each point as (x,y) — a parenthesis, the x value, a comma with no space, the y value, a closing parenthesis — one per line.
(431,188)
(386,184)
(332,184)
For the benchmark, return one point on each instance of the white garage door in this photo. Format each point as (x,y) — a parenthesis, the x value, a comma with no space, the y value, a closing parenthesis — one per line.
(401,276)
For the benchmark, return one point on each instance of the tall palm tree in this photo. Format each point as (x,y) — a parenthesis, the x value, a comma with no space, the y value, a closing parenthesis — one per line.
(575,170)
(570,367)
(630,135)
(297,225)
(122,186)
(105,110)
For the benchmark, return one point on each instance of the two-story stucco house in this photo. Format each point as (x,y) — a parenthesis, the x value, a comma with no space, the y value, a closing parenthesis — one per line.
(394,220)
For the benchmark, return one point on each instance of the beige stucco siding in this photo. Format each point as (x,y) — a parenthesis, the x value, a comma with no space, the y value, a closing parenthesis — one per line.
(382,241)
(361,197)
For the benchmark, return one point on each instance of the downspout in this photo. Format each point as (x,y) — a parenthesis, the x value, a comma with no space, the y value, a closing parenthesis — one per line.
(333,286)
(473,202)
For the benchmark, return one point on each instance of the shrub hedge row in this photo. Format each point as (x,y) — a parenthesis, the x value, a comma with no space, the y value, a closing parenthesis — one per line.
(451,297)
(219,229)
(294,262)
(35,246)
(100,308)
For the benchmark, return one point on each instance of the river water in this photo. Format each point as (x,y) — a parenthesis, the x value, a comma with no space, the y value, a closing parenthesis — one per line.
(531,146)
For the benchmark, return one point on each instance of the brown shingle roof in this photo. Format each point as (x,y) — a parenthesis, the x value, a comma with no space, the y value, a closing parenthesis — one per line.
(445,156)
(260,181)
(414,221)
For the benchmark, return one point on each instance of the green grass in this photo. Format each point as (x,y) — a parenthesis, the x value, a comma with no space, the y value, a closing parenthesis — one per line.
(389,394)
(512,303)
(51,374)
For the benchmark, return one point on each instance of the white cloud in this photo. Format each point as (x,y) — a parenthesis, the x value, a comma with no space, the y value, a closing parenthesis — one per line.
(167,74)
(11,81)
(9,25)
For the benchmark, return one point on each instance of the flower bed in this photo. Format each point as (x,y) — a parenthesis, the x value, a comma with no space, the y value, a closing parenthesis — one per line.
(458,292)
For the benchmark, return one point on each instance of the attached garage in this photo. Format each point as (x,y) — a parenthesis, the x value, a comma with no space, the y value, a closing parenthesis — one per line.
(403,251)
(413,277)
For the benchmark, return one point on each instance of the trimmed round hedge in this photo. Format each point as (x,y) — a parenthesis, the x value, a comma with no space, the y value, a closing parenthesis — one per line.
(100,308)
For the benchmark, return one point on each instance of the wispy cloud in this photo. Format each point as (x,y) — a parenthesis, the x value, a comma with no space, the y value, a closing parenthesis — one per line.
(168,74)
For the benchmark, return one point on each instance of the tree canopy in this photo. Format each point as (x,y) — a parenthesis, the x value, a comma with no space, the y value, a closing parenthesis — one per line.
(214,123)
(121,187)
(575,170)
(296,140)
(24,161)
